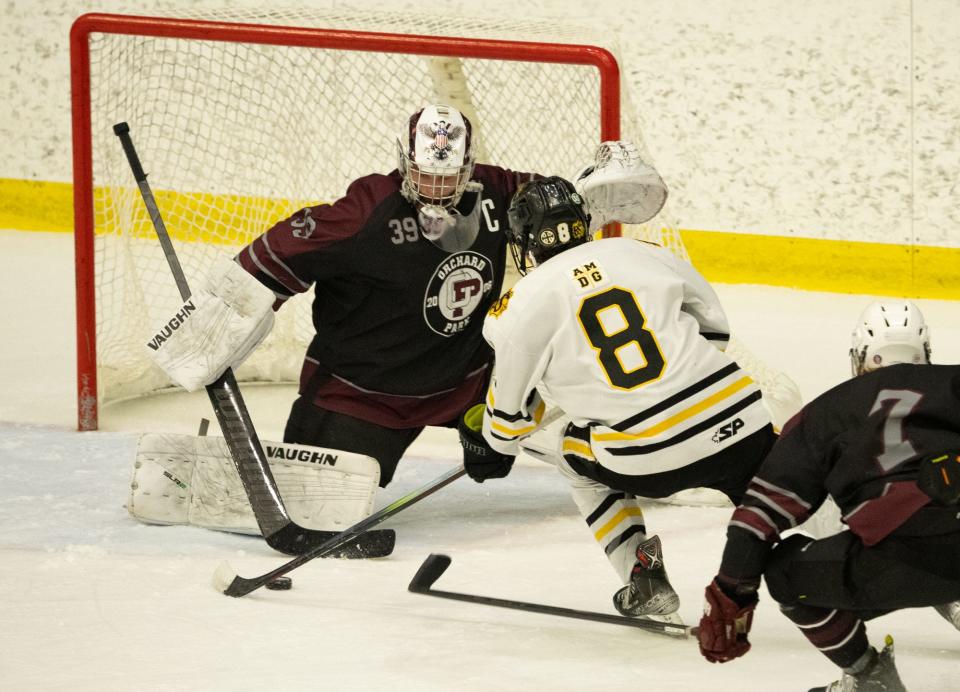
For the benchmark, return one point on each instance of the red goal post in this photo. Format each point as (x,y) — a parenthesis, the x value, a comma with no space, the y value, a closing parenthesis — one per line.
(241,122)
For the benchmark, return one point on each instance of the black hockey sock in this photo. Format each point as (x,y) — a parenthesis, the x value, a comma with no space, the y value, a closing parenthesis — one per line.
(826,629)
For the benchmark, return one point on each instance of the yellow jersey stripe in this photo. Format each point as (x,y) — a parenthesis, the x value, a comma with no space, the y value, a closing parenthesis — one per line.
(678,417)
(504,427)
(512,432)
(579,448)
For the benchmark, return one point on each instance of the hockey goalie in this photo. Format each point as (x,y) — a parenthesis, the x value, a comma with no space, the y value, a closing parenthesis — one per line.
(183,479)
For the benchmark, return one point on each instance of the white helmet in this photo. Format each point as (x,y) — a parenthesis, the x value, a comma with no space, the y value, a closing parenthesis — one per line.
(889,332)
(436,156)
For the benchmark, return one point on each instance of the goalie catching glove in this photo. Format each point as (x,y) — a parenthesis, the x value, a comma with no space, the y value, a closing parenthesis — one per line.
(216,328)
(620,186)
(480,459)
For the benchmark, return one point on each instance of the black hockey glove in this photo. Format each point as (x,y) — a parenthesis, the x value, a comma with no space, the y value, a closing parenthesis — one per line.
(940,478)
(480,459)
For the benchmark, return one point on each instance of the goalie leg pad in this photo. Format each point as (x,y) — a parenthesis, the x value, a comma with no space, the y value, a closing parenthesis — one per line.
(162,471)
(181,479)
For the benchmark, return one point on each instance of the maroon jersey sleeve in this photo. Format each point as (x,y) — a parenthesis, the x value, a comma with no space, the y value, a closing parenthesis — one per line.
(301,249)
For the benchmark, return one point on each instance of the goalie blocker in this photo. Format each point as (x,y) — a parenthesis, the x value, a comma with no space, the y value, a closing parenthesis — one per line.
(216,328)
(187,480)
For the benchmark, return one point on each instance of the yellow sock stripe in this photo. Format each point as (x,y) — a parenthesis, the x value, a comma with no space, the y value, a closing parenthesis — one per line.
(673,420)
(616,519)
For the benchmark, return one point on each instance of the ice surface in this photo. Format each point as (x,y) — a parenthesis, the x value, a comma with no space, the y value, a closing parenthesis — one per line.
(91,600)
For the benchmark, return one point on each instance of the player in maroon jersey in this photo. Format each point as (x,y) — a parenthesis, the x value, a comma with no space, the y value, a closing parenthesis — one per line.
(885,446)
(404,267)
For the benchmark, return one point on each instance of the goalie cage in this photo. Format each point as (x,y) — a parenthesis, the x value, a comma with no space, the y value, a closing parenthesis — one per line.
(246,116)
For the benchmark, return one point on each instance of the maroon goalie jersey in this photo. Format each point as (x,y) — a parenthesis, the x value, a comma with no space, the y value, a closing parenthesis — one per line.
(398,320)
(860,442)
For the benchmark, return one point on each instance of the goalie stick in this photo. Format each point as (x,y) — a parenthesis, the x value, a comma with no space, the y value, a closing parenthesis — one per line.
(437,564)
(279,531)
(226,581)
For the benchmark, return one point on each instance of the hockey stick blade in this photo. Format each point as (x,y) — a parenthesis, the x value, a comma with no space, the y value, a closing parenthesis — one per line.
(345,544)
(435,565)
(226,580)
(367,545)
(429,572)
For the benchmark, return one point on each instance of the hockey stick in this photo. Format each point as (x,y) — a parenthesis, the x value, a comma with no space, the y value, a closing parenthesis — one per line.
(280,532)
(436,564)
(225,579)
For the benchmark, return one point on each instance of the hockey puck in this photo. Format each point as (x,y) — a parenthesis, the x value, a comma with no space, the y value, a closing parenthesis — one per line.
(280,584)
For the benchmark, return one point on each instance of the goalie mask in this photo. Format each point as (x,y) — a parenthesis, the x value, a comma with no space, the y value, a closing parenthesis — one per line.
(546,216)
(435,160)
(889,332)
(436,156)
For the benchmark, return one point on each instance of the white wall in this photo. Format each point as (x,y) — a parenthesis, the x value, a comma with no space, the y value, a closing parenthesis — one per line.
(822,119)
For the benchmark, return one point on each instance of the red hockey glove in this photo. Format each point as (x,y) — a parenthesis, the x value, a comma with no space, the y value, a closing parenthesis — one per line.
(724,626)
(481,461)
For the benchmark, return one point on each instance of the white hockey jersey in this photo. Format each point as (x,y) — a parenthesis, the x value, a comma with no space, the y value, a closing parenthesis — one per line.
(627,339)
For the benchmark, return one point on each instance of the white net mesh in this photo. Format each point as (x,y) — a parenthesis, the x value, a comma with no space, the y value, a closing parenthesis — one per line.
(236,136)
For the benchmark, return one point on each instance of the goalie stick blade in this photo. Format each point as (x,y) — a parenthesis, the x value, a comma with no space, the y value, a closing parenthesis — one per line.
(226,581)
(230,584)
(294,540)
(429,572)
(224,577)
(367,545)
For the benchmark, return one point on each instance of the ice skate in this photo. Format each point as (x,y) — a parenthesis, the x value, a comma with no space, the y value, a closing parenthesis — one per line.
(880,675)
(649,593)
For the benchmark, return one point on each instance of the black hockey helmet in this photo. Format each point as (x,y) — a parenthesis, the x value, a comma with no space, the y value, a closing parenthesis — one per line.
(546,216)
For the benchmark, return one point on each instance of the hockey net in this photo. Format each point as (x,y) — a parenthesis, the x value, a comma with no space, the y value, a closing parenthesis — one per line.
(242,117)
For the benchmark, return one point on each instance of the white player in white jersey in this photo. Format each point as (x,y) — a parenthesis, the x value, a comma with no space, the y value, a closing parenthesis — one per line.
(628,341)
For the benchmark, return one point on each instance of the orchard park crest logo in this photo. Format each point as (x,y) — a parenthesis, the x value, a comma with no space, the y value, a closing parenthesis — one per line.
(455,291)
